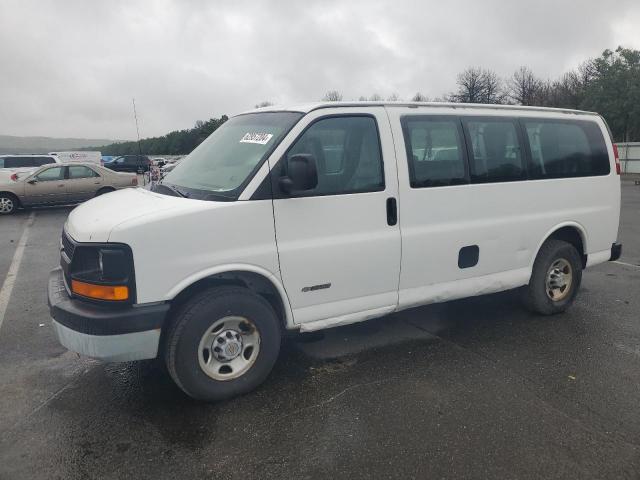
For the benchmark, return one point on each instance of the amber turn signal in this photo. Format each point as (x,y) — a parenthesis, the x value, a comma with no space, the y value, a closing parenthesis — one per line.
(100,292)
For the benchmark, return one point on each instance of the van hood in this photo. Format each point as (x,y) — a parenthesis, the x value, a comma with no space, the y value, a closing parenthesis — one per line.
(94,220)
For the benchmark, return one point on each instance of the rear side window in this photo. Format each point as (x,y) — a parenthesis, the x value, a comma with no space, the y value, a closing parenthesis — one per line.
(435,151)
(347,155)
(80,171)
(562,149)
(496,153)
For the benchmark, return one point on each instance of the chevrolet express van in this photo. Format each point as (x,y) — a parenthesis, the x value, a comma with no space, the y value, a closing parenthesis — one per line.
(314,216)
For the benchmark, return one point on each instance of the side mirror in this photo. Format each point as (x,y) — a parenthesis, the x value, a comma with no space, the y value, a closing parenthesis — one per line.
(33,181)
(302,174)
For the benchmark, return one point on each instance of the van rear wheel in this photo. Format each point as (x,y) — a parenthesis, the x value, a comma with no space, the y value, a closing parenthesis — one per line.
(555,280)
(223,342)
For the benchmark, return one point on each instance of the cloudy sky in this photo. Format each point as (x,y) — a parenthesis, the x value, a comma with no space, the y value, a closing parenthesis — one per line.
(71,68)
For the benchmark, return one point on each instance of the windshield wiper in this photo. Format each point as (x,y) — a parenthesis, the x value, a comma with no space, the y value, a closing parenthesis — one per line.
(172,189)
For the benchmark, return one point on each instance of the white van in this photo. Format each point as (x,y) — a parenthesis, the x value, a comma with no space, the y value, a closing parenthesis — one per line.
(320,215)
(79,157)
(22,162)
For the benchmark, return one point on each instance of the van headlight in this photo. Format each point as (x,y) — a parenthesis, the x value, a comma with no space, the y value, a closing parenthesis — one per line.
(103,272)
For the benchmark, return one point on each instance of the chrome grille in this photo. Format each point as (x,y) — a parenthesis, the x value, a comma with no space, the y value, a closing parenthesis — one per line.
(67,246)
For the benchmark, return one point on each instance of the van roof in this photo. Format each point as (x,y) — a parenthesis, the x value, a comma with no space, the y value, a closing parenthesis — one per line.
(308,107)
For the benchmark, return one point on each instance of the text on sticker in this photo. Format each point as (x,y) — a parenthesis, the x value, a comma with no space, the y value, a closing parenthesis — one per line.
(260,138)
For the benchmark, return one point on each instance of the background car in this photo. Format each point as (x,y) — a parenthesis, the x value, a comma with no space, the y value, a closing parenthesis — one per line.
(20,162)
(170,165)
(56,184)
(130,163)
(167,168)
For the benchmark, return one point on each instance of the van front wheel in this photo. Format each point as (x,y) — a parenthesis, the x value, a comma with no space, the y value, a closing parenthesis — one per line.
(556,277)
(223,342)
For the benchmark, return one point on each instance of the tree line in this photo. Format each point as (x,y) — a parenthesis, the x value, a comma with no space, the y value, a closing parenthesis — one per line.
(178,142)
(608,84)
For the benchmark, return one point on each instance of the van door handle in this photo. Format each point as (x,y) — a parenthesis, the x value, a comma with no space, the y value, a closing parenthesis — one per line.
(392,211)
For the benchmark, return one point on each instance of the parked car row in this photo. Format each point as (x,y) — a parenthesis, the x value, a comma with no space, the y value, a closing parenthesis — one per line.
(59,183)
(122,163)
(27,161)
(161,166)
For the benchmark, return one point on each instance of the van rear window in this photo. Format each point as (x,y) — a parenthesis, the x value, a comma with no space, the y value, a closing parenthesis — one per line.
(562,149)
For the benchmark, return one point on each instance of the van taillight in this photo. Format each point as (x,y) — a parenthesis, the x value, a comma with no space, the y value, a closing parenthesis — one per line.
(134,181)
(14,177)
(617,158)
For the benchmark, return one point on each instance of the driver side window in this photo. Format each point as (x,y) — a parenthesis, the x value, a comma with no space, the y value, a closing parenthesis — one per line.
(347,155)
(53,173)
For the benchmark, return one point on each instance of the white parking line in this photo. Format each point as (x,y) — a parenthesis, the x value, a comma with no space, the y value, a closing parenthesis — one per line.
(627,264)
(7,286)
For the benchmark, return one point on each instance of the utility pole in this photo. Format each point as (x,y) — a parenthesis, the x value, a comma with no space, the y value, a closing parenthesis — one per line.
(135,116)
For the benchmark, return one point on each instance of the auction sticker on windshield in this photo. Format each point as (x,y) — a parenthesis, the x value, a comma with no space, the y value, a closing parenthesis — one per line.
(260,138)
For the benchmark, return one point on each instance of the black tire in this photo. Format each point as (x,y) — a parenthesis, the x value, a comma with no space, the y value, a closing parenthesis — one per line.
(188,327)
(535,295)
(8,203)
(104,190)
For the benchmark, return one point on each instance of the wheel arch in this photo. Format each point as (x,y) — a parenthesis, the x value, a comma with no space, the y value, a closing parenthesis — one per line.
(256,279)
(571,232)
(11,194)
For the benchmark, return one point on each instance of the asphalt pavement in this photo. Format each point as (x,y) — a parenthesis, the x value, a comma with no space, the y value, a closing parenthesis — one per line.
(476,388)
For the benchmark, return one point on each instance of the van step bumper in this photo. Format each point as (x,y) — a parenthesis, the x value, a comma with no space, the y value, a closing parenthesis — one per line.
(108,332)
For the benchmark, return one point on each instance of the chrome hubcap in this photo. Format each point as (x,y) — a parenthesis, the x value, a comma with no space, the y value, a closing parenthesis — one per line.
(229,348)
(227,345)
(559,280)
(6,205)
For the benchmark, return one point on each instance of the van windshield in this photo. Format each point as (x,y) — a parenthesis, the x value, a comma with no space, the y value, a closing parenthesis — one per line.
(219,167)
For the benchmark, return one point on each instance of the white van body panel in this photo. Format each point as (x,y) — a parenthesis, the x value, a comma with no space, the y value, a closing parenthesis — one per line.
(215,236)
(148,221)
(341,242)
(94,220)
(79,157)
(508,221)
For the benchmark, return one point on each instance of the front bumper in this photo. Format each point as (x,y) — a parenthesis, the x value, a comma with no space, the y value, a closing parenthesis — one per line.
(111,333)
